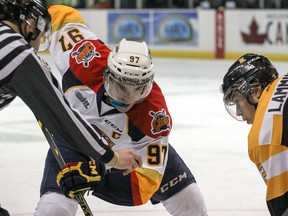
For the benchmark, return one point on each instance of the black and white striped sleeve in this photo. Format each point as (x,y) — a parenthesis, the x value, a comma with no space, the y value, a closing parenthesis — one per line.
(22,70)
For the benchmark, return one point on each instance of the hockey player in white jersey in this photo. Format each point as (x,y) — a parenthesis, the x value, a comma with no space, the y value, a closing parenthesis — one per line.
(116,92)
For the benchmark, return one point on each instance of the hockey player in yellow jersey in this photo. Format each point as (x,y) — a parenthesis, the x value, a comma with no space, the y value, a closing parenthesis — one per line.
(254,93)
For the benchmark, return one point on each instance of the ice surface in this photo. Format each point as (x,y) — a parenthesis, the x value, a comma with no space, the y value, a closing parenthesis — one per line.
(212,144)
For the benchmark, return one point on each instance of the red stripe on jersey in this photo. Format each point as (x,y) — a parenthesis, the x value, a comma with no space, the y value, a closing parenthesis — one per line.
(135,189)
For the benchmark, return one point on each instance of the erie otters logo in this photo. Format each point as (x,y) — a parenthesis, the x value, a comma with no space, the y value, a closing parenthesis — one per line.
(85,53)
(160,121)
(107,139)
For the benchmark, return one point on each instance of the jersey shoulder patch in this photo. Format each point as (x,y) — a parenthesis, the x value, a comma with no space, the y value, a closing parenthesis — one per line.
(88,60)
(151,116)
(160,121)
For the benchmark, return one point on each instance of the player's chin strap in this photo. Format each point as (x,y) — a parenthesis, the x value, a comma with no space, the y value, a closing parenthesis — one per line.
(29,37)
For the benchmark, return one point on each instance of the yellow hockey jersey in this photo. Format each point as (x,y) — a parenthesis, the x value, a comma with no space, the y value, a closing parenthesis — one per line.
(268,138)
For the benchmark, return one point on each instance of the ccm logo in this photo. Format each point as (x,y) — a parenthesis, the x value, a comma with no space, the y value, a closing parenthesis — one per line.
(131,74)
(173,182)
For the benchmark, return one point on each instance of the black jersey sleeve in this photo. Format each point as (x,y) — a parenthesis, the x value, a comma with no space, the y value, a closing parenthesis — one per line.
(34,85)
(278,205)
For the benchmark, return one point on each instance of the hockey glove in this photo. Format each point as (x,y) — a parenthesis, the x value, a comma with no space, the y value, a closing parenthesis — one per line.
(80,176)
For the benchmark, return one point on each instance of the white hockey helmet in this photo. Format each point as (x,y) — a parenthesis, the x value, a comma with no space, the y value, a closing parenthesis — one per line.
(131,62)
(128,78)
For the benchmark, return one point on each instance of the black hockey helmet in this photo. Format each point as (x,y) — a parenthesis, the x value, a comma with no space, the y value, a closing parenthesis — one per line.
(247,73)
(18,11)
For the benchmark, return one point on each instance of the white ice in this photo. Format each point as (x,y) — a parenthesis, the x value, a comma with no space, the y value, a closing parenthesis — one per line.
(213,145)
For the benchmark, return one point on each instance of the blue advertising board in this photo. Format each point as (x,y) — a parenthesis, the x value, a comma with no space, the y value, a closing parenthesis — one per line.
(165,27)
(175,27)
(132,26)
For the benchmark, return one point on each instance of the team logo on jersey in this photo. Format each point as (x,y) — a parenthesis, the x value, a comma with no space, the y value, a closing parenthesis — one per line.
(262,172)
(82,99)
(160,121)
(85,53)
(107,139)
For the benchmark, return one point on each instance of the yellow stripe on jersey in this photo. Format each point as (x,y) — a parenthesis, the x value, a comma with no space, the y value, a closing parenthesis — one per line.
(274,170)
(149,182)
(263,153)
(279,184)
(76,87)
(265,140)
(62,15)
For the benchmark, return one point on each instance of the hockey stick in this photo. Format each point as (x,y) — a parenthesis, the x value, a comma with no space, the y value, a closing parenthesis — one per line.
(61,162)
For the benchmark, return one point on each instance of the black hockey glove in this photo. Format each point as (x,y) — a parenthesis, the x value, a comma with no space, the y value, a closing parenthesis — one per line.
(80,176)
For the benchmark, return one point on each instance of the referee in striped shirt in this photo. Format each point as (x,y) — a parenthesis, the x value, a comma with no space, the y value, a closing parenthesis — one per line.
(24,74)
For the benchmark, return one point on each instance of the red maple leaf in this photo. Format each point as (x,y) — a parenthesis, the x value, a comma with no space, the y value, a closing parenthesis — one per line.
(253,36)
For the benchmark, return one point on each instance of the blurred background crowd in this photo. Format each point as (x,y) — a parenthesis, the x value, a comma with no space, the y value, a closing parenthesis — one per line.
(149,4)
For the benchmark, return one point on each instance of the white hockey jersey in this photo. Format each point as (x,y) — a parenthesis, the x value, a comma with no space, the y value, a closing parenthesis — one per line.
(81,59)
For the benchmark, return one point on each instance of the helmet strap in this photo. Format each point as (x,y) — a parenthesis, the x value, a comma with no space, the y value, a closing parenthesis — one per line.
(28,38)
(106,98)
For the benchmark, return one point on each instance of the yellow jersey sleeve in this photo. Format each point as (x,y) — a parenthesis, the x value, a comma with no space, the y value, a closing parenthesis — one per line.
(267,140)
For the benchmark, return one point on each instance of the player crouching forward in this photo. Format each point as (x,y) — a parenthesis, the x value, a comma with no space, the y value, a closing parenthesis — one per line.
(254,92)
(115,90)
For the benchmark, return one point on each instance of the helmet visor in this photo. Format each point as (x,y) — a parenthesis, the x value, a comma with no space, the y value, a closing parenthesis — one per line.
(235,106)
(123,93)
(235,98)
(45,40)
(42,26)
